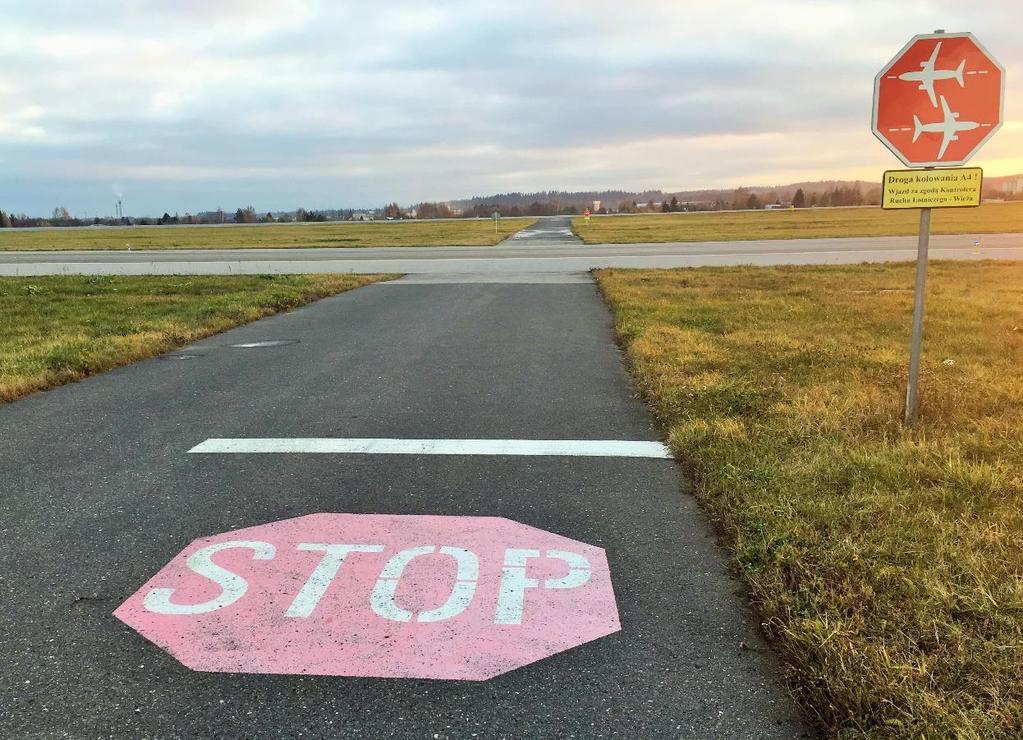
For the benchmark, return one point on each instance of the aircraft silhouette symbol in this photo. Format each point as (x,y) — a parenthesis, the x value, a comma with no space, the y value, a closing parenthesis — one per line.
(949,127)
(928,75)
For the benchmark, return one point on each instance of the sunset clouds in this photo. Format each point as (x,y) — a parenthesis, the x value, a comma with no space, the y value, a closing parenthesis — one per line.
(196,105)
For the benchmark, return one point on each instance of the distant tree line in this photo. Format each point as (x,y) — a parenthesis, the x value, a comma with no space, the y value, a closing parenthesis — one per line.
(827,193)
(548,203)
(246,215)
(434,210)
(741,199)
(1006,193)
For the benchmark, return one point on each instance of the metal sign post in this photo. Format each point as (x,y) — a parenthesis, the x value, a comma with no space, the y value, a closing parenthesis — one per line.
(918,315)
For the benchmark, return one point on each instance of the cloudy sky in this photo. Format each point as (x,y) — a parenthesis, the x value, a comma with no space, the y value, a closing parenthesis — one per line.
(194,104)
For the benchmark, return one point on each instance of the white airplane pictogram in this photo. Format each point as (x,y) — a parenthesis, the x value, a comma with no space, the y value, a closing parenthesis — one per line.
(949,128)
(928,75)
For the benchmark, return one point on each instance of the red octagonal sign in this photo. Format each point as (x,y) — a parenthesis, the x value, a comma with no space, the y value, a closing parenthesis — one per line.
(376,595)
(938,100)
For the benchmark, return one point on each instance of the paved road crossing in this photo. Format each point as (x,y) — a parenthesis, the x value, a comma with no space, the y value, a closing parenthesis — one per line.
(555,231)
(101,495)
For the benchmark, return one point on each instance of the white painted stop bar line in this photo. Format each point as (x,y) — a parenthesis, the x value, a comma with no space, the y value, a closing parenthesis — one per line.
(537,447)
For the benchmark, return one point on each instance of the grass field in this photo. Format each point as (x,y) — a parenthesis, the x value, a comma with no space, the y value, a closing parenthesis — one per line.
(470,232)
(795,224)
(887,565)
(59,329)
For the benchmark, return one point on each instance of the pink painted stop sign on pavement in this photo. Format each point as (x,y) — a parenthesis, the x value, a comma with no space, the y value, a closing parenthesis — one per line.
(376,595)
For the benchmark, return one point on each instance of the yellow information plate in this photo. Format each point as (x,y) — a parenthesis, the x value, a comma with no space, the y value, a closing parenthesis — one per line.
(952,188)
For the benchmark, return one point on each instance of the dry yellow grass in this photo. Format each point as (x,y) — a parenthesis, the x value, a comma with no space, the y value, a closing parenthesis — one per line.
(887,565)
(469,232)
(60,329)
(795,224)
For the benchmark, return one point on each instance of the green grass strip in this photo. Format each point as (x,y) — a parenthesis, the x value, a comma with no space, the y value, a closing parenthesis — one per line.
(887,565)
(470,232)
(59,329)
(795,224)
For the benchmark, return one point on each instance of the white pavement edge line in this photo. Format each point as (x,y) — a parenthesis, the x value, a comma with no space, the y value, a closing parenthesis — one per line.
(537,447)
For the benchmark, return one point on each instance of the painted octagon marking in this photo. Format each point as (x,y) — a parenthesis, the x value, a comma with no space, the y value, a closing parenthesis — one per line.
(376,595)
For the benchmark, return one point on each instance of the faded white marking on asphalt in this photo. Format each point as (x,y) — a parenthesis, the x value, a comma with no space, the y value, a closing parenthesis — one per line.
(509,278)
(541,233)
(269,343)
(537,447)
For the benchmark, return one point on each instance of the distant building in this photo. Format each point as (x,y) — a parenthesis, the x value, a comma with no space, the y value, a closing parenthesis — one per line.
(1012,187)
